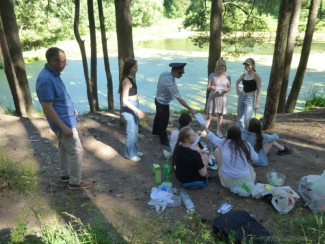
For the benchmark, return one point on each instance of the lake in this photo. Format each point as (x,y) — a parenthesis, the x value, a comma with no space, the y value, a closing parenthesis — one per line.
(153,58)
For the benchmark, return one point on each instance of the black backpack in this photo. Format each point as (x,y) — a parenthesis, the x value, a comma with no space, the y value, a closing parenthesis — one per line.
(237,226)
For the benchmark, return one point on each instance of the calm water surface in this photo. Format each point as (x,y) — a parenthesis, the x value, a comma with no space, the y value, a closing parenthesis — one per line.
(153,59)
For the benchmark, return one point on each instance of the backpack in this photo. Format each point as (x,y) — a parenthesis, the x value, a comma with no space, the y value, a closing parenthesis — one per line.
(237,226)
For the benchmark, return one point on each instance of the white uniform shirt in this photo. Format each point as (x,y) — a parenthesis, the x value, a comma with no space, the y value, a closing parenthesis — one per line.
(166,88)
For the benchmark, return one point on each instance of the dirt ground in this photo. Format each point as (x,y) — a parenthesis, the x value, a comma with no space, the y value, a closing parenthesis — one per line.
(121,188)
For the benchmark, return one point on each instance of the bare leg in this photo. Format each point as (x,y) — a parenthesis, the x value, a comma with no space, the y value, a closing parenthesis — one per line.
(217,155)
(220,119)
(205,159)
(269,145)
(208,120)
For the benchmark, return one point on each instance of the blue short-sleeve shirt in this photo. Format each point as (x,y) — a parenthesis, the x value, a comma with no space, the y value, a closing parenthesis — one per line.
(49,87)
(166,88)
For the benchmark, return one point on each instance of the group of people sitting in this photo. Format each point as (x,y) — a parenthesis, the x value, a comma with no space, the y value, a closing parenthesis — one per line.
(235,154)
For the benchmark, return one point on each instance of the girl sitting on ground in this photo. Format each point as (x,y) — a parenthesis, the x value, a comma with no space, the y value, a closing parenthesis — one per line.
(233,157)
(261,142)
(191,170)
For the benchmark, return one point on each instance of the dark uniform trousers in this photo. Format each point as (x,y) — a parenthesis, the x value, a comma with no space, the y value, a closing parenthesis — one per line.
(160,122)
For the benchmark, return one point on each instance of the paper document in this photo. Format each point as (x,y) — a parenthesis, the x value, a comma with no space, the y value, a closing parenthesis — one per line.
(200,118)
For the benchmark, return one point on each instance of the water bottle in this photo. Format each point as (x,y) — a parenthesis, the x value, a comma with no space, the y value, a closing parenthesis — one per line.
(167,171)
(156,174)
(187,201)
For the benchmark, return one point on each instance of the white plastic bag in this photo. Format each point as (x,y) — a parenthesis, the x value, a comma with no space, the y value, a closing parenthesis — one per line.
(162,196)
(284,199)
(260,190)
(244,189)
(312,191)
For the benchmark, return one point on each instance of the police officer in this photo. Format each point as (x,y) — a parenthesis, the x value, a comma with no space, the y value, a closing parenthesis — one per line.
(167,91)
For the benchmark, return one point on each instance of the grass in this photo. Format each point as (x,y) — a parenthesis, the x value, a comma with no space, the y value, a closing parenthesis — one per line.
(17,175)
(315,98)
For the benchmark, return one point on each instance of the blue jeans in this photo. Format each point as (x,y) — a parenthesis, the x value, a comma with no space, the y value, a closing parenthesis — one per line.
(195,184)
(131,135)
(245,109)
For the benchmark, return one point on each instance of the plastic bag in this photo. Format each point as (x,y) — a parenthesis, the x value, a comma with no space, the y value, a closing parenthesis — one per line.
(260,190)
(284,199)
(312,191)
(244,189)
(162,196)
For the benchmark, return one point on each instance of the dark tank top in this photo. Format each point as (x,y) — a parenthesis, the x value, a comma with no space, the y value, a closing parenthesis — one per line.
(133,90)
(249,85)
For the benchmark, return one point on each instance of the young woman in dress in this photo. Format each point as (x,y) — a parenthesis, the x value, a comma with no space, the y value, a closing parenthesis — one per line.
(246,98)
(130,108)
(262,143)
(191,170)
(218,84)
(233,157)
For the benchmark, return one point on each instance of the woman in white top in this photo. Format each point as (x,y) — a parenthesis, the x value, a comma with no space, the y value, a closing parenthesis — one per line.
(218,84)
(233,157)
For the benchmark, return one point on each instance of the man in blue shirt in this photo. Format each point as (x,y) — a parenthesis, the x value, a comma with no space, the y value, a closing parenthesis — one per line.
(167,91)
(62,117)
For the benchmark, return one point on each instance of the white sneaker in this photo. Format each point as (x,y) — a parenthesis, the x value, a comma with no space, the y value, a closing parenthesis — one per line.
(139,154)
(135,159)
(219,134)
(167,154)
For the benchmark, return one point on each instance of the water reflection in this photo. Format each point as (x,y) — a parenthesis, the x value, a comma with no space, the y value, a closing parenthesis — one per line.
(152,62)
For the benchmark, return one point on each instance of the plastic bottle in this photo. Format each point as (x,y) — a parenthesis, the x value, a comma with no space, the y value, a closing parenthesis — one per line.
(156,174)
(167,171)
(187,201)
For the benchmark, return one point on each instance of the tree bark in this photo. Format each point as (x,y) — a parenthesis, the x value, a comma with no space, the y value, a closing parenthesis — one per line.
(293,28)
(11,32)
(11,75)
(93,58)
(110,98)
(82,48)
(124,32)
(297,82)
(273,91)
(215,37)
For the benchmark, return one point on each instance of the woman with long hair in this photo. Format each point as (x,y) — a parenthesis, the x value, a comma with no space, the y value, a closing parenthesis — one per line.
(130,108)
(246,98)
(191,170)
(262,142)
(218,84)
(233,156)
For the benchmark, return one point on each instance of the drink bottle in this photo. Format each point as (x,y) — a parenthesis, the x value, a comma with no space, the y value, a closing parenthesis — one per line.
(156,174)
(167,171)
(187,201)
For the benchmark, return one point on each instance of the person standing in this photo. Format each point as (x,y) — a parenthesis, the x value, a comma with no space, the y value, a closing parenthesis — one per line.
(167,91)
(130,109)
(246,98)
(62,117)
(218,84)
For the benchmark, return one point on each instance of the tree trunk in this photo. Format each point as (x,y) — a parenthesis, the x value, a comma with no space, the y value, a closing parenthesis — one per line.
(297,82)
(110,98)
(11,75)
(93,58)
(273,91)
(215,37)
(11,32)
(81,44)
(123,32)
(293,28)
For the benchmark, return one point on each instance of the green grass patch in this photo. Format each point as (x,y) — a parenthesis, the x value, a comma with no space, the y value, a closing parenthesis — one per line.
(315,98)
(32,59)
(16,175)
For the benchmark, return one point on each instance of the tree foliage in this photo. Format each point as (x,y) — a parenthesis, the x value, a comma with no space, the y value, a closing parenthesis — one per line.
(241,21)
(146,12)
(175,8)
